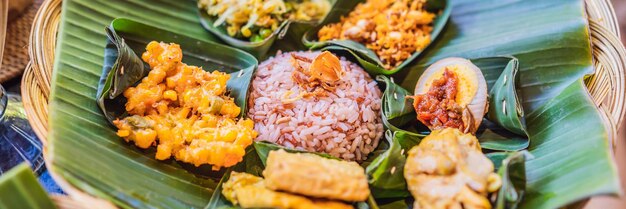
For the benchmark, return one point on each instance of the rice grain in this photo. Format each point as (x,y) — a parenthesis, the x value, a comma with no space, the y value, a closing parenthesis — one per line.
(344,123)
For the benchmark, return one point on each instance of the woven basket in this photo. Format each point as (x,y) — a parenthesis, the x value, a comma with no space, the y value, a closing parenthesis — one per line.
(606,86)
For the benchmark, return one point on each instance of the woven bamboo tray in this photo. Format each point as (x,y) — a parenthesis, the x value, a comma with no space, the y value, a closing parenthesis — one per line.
(606,86)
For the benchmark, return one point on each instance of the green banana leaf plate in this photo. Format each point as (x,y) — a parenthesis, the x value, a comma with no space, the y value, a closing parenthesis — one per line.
(543,132)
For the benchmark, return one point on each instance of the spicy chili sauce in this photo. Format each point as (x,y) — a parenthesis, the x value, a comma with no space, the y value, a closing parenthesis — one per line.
(437,108)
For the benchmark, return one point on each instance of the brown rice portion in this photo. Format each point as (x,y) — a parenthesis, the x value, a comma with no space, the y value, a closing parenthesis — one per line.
(345,123)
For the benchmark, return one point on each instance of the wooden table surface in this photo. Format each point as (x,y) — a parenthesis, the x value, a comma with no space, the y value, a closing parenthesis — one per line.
(616,202)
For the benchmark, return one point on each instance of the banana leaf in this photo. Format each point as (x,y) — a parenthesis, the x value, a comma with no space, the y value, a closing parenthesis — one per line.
(396,109)
(386,172)
(20,189)
(288,34)
(511,168)
(394,204)
(504,105)
(551,41)
(84,149)
(218,201)
(364,56)
(505,128)
(494,137)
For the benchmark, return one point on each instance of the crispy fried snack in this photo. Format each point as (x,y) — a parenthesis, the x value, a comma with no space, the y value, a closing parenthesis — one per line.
(249,191)
(393,29)
(315,176)
(184,111)
(448,170)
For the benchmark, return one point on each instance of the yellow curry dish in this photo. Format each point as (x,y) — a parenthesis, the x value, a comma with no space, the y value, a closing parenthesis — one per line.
(184,111)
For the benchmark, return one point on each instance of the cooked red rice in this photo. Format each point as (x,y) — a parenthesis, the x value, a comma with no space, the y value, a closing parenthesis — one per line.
(346,123)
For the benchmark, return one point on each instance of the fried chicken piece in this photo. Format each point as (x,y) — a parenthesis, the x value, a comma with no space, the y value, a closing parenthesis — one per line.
(249,191)
(315,176)
(448,170)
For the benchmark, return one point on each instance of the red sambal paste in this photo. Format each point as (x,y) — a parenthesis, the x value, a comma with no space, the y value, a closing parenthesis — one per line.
(437,108)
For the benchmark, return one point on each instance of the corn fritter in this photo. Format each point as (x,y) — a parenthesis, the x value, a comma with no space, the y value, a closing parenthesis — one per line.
(183,111)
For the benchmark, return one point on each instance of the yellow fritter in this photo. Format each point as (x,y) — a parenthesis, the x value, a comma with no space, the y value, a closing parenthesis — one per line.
(249,191)
(185,112)
(315,176)
(448,170)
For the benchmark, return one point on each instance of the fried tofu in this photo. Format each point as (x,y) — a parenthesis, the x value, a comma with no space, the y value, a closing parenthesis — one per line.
(249,191)
(315,176)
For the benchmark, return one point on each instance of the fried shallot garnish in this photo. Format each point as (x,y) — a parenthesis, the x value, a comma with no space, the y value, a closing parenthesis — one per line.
(323,74)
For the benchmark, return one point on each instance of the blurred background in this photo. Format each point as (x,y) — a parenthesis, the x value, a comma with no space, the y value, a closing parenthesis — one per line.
(616,202)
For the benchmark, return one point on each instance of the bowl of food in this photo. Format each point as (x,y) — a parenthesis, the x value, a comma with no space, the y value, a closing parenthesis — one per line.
(254,26)
(304,100)
(383,36)
(483,117)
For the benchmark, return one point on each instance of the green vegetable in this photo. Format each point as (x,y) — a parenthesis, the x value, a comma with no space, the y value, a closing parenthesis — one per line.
(264,33)
(256,38)
(215,104)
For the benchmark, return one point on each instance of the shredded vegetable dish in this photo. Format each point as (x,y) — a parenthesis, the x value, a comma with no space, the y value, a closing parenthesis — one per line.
(393,29)
(184,112)
(256,20)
